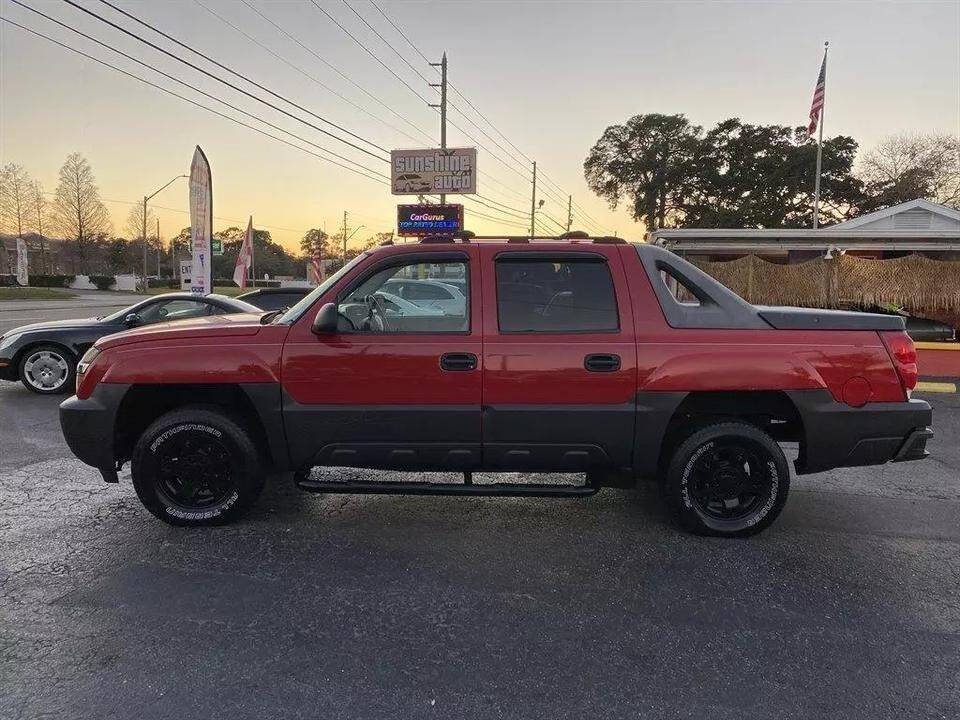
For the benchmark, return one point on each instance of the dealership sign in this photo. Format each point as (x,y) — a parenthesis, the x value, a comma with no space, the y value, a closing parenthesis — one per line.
(428,172)
(423,220)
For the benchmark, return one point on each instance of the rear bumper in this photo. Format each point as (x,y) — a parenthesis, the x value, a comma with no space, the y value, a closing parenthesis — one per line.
(837,435)
(88,426)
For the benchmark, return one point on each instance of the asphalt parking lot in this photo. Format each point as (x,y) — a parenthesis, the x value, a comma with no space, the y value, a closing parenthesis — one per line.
(381,606)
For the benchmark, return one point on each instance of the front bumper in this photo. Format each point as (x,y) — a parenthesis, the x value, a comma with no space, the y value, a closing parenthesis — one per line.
(88,427)
(837,435)
(8,369)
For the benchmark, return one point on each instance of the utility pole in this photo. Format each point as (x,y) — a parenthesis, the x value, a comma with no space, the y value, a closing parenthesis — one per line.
(443,108)
(569,212)
(347,237)
(144,225)
(158,247)
(533,200)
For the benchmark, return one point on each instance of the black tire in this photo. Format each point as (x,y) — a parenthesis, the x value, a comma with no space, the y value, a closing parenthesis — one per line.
(194,467)
(48,370)
(730,479)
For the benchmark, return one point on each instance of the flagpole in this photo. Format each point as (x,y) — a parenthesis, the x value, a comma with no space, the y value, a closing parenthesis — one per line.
(823,110)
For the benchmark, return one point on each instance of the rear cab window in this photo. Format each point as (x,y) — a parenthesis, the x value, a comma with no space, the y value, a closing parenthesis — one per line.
(566,293)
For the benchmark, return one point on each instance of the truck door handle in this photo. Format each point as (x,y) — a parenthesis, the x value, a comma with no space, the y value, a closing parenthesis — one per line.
(458,361)
(602,363)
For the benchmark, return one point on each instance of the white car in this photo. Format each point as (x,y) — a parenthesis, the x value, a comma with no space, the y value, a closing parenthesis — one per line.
(434,294)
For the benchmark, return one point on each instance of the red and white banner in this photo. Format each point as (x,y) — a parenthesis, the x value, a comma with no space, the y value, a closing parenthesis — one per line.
(201,223)
(245,258)
(315,274)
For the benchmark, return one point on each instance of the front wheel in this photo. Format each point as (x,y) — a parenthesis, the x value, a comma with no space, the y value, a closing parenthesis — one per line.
(730,479)
(48,370)
(196,467)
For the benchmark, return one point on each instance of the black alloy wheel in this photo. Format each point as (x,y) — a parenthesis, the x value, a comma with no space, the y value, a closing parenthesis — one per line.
(729,479)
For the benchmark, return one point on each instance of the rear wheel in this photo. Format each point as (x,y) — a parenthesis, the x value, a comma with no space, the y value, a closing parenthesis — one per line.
(196,467)
(730,479)
(47,370)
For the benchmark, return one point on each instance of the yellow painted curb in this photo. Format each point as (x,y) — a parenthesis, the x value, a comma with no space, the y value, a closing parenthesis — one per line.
(936,346)
(936,387)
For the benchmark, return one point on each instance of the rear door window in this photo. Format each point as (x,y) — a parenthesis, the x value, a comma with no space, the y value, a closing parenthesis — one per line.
(555,295)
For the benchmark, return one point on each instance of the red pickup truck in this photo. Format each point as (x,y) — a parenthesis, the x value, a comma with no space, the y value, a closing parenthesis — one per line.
(616,360)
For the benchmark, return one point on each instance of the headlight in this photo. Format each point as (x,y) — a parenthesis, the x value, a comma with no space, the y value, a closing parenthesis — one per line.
(8,340)
(88,357)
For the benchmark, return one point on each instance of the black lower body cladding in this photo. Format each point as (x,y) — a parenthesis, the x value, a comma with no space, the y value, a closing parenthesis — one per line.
(88,425)
(837,435)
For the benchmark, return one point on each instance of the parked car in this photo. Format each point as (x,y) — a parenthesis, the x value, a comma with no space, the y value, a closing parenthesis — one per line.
(275,298)
(429,293)
(600,369)
(43,356)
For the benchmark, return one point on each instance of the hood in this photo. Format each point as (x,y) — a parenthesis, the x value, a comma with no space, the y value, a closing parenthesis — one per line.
(55,325)
(212,326)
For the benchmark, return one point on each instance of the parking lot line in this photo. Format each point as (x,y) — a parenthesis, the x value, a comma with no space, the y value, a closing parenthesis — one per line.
(936,387)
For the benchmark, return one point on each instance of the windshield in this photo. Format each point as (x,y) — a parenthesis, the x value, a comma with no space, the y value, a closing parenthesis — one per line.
(294,313)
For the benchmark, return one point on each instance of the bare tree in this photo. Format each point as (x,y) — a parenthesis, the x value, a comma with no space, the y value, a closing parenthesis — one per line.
(905,167)
(15,198)
(39,208)
(77,212)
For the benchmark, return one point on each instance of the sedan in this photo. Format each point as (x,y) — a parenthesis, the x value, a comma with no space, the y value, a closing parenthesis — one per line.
(275,298)
(44,356)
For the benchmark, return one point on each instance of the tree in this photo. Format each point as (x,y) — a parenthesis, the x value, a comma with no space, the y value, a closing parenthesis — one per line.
(38,210)
(907,167)
(757,176)
(316,242)
(734,175)
(15,193)
(647,161)
(139,232)
(77,212)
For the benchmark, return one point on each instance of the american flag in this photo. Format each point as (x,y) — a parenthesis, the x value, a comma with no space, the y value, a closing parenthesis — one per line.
(818,94)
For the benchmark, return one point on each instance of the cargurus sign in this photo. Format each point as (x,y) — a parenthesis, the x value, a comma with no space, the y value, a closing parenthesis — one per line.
(426,172)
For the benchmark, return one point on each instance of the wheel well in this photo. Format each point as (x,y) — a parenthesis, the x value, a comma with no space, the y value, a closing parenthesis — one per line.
(39,343)
(143,404)
(772,411)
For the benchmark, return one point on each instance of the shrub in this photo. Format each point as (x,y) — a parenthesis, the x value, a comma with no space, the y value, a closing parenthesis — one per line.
(54,281)
(103,282)
(8,280)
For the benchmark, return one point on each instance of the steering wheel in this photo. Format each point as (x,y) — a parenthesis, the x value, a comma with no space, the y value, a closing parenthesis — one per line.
(376,314)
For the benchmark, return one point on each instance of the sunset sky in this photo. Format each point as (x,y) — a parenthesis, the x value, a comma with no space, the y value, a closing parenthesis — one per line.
(550,76)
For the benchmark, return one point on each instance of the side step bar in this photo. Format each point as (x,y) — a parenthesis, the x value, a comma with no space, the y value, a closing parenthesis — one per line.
(427,488)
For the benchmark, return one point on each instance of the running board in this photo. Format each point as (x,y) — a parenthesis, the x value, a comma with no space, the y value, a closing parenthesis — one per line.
(427,488)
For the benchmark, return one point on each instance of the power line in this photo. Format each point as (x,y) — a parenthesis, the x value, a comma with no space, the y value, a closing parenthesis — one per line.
(406,84)
(302,71)
(219,79)
(335,69)
(372,176)
(366,50)
(378,178)
(549,182)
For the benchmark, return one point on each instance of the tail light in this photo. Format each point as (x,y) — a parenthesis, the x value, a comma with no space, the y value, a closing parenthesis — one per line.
(904,356)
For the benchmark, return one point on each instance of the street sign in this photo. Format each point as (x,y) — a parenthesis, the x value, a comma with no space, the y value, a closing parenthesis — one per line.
(433,171)
(423,220)
(216,246)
